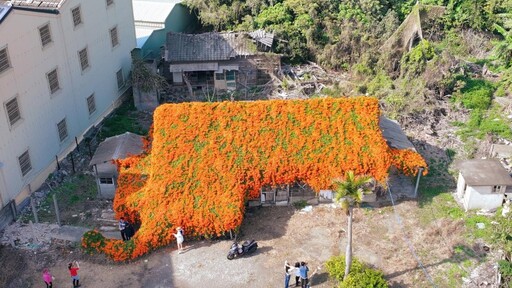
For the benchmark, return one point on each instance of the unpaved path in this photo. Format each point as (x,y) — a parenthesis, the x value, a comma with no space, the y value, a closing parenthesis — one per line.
(283,233)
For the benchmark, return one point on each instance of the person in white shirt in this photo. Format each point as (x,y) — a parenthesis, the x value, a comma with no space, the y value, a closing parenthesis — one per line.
(179,239)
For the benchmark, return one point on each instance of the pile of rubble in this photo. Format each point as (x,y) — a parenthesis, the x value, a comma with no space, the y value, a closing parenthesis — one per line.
(30,236)
(485,275)
(303,81)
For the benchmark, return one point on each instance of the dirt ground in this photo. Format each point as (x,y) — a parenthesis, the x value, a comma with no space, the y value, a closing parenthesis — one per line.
(282,233)
(395,243)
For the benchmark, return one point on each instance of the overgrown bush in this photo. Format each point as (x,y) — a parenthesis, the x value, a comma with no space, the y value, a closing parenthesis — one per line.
(93,242)
(476,94)
(415,61)
(360,276)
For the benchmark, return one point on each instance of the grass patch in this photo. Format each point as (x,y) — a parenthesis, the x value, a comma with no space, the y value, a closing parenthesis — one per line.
(475,94)
(471,220)
(482,123)
(437,202)
(124,119)
(71,196)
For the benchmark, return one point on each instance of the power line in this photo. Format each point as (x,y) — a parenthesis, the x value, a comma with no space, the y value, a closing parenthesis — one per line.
(411,247)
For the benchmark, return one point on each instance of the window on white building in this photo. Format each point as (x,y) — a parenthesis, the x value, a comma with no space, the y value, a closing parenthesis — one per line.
(4,60)
(13,111)
(24,161)
(45,34)
(62,127)
(496,189)
(120,79)
(77,16)
(105,180)
(91,104)
(84,59)
(110,2)
(53,80)
(114,39)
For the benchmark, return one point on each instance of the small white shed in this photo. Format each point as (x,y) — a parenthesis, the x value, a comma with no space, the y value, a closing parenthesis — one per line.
(116,147)
(482,184)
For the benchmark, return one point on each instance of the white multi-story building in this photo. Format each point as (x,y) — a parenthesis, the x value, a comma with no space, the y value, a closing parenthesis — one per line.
(63,67)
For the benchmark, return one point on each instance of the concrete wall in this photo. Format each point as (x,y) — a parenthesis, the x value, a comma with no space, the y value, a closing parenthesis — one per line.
(481,197)
(41,110)
(106,170)
(461,186)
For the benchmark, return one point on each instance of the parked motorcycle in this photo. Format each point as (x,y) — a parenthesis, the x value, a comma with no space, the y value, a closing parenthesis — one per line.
(238,250)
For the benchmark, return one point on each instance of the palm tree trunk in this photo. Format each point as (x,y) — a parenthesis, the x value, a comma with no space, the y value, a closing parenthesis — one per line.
(348,253)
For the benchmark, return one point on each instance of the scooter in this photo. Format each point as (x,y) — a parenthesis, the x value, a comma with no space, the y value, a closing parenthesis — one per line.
(238,250)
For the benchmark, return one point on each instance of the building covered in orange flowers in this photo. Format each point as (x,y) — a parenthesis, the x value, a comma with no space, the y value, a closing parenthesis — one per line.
(207,159)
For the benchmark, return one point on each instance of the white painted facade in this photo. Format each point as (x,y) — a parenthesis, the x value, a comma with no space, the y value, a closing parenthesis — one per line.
(40,109)
(479,197)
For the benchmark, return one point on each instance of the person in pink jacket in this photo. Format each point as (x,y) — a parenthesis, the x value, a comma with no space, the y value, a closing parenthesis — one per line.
(48,278)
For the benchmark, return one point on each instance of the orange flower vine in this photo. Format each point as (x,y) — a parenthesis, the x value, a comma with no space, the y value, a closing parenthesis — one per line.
(207,159)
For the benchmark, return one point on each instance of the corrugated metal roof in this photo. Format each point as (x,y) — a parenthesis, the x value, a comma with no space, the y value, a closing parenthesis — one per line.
(394,135)
(208,46)
(484,172)
(117,147)
(263,37)
(152,10)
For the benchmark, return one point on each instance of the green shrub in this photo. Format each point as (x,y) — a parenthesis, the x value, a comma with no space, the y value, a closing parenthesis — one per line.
(415,61)
(477,94)
(300,204)
(361,275)
(367,278)
(93,242)
(380,85)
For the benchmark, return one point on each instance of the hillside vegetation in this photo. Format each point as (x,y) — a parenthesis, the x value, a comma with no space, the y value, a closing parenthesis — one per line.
(462,54)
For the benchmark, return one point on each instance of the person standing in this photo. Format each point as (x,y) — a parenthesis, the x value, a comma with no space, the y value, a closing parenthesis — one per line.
(179,239)
(47,278)
(122,228)
(287,270)
(73,271)
(303,274)
(297,273)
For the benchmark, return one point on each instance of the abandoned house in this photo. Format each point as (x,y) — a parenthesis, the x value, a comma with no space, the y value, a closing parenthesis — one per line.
(220,61)
(400,184)
(116,147)
(483,184)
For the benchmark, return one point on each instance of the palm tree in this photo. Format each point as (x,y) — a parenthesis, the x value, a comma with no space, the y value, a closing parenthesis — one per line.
(349,194)
(503,48)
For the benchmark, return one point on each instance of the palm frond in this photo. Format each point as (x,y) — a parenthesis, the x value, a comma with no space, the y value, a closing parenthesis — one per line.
(350,190)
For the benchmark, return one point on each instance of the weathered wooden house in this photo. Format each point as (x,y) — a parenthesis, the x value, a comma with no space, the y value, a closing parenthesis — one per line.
(483,184)
(220,61)
(395,138)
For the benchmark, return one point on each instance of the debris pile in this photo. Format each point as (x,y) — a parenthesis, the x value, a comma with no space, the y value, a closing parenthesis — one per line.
(30,236)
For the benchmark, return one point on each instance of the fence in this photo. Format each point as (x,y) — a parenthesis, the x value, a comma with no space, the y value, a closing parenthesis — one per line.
(9,213)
